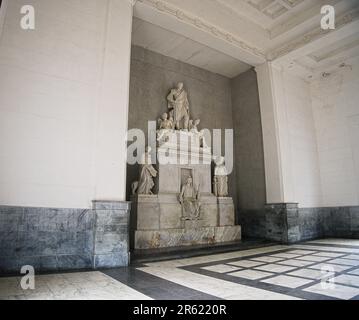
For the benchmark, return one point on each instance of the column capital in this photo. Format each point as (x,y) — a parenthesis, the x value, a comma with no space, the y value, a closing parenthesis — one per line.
(132,2)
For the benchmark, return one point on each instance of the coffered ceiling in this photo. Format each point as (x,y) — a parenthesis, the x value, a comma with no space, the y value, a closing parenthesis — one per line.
(250,32)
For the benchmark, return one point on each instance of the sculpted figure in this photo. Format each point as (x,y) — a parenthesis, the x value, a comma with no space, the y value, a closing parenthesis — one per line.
(165,126)
(220,178)
(193,128)
(190,200)
(165,123)
(193,124)
(179,106)
(147,173)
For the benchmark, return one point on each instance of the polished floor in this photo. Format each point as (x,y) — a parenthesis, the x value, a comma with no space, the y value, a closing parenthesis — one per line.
(315,270)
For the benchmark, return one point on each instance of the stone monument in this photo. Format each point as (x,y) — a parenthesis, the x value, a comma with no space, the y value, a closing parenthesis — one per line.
(184,211)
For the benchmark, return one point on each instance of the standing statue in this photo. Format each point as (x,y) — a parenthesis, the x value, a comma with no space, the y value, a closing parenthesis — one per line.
(220,178)
(178,103)
(190,201)
(147,173)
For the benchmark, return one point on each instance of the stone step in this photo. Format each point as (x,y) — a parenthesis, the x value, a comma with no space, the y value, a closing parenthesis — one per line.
(140,256)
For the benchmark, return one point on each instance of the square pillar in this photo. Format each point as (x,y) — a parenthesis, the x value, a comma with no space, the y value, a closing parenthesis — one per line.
(282,222)
(111,234)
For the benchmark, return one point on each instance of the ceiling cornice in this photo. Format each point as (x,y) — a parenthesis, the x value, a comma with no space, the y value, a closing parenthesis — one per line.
(314,34)
(203,25)
(132,2)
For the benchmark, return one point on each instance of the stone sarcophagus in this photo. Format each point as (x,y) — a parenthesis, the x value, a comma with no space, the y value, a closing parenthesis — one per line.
(183,211)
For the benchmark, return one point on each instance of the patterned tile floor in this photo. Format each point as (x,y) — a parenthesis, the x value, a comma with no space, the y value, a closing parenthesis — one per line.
(321,269)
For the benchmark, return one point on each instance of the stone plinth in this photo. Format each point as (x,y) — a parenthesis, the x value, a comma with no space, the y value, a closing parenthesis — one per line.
(226,211)
(163,211)
(186,237)
(159,222)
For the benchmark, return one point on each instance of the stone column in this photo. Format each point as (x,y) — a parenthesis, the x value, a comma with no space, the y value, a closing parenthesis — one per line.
(281,212)
(112,110)
(276,135)
(111,241)
(111,234)
(282,223)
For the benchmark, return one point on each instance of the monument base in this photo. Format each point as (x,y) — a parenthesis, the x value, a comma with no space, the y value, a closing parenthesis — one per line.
(160,223)
(186,237)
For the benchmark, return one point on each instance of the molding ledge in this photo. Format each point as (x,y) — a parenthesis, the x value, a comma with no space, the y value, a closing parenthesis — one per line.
(314,34)
(203,26)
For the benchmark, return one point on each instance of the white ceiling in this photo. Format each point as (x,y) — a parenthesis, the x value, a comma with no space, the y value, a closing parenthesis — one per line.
(227,36)
(176,46)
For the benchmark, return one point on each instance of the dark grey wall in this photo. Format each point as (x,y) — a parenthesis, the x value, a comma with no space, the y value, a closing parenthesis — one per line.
(152,76)
(249,155)
(55,239)
(286,223)
(45,238)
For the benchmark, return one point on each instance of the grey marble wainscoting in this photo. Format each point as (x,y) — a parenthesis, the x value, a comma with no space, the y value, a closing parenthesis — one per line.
(55,239)
(282,222)
(313,223)
(111,242)
(343,222)
(253,223)
(337,222)
(45,238)
(288,223)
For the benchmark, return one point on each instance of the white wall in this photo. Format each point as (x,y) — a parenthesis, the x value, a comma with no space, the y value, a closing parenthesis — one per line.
(270,131)
(336,113)
(298,141)
(311,136)
(64,102)
(289,138)
(112,113)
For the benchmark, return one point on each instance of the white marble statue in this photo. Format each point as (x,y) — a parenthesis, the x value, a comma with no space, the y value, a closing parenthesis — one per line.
(147,173)
(165,123)
(220,178)
(193,129)
(179,106)
(166,126)
(193,124)
(190,200)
